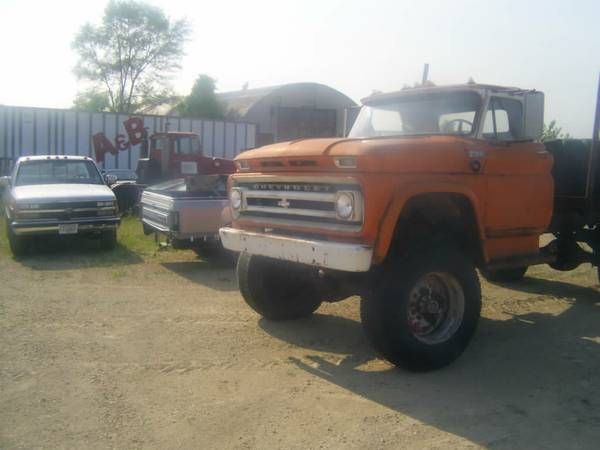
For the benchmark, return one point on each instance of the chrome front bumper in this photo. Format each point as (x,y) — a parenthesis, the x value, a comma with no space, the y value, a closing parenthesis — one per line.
(325,254)
(24,227)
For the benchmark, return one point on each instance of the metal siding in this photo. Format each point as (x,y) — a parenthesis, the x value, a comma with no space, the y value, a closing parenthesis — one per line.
(33,131)
(90,142)
(84,135)
(4,131)
(70,133)
(184,125)
(96,121)
(77,133)
(110,131)
(229,140)
(219,139)
(251,136)
(62,133)
(240,141)
(3,137)
(26,135)
(42,128)
(207,137)
(25,130)
(12,134)
(55,132)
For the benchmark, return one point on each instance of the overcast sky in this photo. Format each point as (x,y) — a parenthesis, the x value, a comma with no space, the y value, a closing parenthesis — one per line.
(356,46)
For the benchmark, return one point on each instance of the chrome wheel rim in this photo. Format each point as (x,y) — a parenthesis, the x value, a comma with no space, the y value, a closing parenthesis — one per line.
(436,306)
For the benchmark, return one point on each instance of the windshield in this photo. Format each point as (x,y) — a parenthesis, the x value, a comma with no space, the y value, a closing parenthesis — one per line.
(184,145)
(440,113)
(188,145)
(57,172)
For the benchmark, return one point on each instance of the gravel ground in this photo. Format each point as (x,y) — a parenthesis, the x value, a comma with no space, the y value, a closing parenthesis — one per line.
(166,355)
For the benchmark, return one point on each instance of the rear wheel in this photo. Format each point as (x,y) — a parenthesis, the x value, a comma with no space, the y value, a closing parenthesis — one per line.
(108,239)
(423,310)
(277,290)
(505,275)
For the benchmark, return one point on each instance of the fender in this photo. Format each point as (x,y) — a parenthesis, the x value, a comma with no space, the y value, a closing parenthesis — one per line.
(406,192)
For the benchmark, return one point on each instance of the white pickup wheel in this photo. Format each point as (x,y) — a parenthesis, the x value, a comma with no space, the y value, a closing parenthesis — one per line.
(423,310)
(17,244)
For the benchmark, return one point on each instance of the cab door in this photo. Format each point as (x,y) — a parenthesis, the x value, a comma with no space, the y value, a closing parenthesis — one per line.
(519,183)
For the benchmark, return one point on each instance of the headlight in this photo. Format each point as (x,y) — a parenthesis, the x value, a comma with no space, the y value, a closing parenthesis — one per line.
(346,162)
(344,205)
(235,197)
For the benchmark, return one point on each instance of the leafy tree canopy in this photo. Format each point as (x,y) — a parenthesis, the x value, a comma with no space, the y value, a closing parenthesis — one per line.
(130,56)
(552,131)
(202,101)
(92,100)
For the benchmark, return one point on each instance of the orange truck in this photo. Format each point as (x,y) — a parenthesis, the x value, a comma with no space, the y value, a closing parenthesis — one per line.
(431,184)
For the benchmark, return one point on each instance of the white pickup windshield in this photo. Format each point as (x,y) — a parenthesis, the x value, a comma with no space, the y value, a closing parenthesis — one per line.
(58,172)
(438,113)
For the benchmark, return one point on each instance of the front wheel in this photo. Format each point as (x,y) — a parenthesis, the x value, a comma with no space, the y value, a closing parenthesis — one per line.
(16,243)
(277,290)
(423,310)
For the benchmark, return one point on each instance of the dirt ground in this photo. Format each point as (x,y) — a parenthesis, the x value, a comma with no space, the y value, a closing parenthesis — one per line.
(165,354)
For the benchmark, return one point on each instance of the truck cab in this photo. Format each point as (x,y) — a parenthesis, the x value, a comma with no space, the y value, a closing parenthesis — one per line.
(430,184)
(178,154)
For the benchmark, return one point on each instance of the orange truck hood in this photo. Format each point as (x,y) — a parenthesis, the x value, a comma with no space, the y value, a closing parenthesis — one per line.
(397,154)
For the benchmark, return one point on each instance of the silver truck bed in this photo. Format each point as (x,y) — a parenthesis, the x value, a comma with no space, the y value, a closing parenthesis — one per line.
(182,215)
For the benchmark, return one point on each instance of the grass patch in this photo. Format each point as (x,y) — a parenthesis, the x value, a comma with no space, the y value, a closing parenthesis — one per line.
(55,253)
(132,238)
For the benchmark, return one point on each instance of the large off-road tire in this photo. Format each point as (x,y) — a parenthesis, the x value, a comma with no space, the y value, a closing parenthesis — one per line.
(108,239)
(505,275)
(277,290)
(17,244)
(422,311)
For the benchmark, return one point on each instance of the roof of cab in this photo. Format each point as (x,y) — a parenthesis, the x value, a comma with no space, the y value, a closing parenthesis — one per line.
(476,87)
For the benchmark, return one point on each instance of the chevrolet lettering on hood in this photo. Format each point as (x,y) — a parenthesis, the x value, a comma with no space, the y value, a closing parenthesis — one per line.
(292,187)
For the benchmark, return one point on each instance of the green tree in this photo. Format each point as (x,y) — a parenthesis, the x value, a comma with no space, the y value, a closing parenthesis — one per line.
(202,101)
(92,100)
(130,56)
(552,131)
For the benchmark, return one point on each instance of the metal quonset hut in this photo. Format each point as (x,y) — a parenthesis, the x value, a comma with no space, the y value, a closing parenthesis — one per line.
(289,111)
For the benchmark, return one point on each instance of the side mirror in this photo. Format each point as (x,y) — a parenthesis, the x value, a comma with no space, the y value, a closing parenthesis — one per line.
(5,182)
(533,115)
(110,178)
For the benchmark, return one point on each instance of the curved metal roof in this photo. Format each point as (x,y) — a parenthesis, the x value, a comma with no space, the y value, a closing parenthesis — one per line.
(238,103)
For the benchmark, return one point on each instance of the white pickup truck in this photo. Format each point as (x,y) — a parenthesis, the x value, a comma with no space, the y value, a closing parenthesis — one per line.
(58,195)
